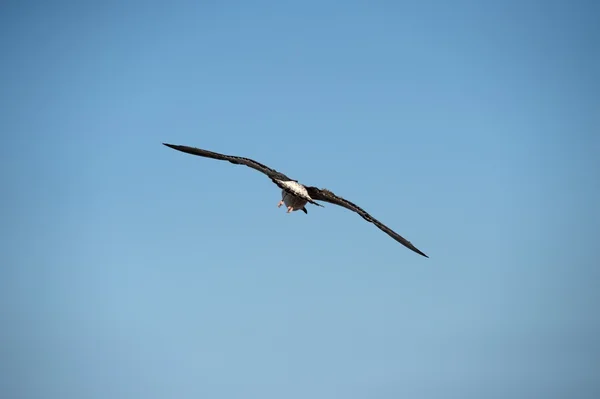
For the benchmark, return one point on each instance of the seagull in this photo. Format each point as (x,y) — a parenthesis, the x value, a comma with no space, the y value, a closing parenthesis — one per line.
(296,195)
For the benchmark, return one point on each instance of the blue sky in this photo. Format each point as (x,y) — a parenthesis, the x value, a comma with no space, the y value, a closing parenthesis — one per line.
(130,270)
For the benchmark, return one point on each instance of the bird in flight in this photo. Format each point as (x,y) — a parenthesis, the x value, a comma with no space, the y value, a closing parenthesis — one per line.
(295,195)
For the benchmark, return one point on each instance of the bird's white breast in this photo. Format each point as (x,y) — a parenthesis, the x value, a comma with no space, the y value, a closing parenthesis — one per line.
(292,200)
(295,188)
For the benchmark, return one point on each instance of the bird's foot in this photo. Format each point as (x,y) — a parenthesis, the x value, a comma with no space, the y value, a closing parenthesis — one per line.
(280,203)
(290,208)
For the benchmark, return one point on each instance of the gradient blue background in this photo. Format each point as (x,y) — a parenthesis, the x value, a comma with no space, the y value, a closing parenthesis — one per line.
(129,270)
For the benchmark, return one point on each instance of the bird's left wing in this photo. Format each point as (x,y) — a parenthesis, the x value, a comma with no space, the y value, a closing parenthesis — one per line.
(327,196)
(272,173)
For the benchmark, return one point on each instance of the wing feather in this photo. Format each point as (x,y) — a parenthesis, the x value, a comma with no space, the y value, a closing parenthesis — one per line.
(272,173)
(327,196)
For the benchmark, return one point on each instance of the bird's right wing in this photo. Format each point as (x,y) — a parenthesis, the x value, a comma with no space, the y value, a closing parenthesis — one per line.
(327,196)
(272,173)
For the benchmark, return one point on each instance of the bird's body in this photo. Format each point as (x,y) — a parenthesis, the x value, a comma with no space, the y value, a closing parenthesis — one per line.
(296,195)
(292,202)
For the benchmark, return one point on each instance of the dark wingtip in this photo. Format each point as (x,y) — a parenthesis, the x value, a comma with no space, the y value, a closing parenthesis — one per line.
(410,246)
(420,253)
(176,147)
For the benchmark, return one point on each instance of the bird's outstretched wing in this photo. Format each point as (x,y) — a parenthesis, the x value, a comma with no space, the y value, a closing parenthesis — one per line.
(272,173)
(327,196)
(276,177)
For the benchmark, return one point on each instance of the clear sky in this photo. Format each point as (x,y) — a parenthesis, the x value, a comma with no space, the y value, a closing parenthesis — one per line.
(129,270)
